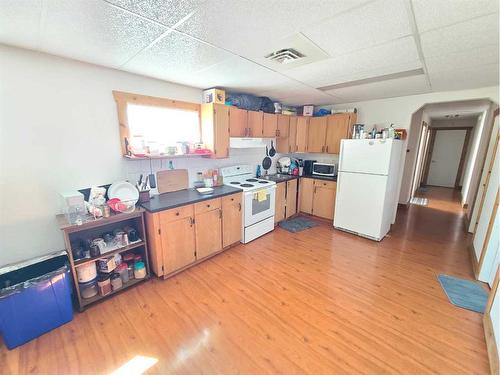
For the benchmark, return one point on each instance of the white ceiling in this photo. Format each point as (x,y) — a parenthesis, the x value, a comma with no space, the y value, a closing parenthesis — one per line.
(206,43)
(463,108)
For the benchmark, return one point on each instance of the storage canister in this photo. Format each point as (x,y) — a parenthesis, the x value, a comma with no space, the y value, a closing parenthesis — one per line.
(130,267)
(122,269)
(104,284)
(139,270)
(86,272)
(88,289)
(116,281)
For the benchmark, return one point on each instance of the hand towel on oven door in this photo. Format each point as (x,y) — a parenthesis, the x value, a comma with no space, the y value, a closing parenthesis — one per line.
(261,195)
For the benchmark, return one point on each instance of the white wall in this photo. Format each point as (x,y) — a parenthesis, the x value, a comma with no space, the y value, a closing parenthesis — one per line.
(59,132)
(399,111)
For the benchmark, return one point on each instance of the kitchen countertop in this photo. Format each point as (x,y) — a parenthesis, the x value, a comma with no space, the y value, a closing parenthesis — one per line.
(179,198)
(286,177)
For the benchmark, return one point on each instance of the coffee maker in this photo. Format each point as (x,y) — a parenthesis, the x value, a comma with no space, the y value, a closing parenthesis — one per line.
(308,167)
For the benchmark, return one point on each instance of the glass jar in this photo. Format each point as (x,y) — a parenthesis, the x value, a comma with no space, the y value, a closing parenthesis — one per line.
(116,281)
(104,284)
(130,268)
(122,269)
(139,270)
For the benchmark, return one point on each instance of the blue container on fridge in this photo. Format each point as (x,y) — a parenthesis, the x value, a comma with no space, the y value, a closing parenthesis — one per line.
(38,302)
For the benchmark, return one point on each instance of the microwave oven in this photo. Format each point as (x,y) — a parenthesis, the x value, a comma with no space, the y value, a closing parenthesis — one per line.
(324,169)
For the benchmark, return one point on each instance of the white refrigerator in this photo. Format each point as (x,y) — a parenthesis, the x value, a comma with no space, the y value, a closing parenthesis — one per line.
(367,186)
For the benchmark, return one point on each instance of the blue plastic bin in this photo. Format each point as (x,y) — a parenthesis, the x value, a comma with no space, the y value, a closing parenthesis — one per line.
(36,305)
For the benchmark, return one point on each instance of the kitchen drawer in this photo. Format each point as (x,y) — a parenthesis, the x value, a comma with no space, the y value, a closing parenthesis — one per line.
(325,184)
(205,206)
(176,213)
(233,198)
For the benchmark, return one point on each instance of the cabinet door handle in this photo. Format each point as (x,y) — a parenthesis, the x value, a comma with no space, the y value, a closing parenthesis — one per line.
(177,213)
(239,206)
(208,206)
(326,148)
(220,214)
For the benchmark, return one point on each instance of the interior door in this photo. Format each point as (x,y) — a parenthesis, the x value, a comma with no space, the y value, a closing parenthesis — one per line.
(445,157)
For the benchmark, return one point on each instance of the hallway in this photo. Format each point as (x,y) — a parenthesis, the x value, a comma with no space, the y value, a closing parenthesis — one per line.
(319,301)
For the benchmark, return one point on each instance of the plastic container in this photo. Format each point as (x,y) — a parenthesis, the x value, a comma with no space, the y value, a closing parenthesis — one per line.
(88,289)
(104,284)
(130,268)
(35,298)
(139,270)
(122,270)
(116,281)
(86,272)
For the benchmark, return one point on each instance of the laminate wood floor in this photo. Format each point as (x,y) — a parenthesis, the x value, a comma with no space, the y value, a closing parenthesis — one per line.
(317,302)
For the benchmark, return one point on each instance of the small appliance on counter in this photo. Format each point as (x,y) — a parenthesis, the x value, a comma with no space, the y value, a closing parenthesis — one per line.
(308,167)
(324,169)
(283,165)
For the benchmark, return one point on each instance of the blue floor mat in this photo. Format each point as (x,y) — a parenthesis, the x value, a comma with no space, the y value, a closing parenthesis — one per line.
(297,224)
(466,294)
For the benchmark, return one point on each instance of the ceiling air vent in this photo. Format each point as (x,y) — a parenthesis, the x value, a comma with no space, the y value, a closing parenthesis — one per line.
(285,56)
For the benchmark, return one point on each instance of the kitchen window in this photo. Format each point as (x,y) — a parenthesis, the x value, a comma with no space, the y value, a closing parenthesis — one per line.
(151,126)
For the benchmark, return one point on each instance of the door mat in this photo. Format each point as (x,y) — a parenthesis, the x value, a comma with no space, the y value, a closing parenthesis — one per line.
(466,294)
(297,224)
(419,201)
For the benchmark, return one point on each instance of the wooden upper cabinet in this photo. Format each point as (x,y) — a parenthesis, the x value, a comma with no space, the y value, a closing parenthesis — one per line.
(231,219)
(291,198)
(280,204)
(283,126)
(306,192)
(316,134)
(338,128)
(292,134)
(255,123)
(301,139)
(238,122)
(208,233)
(282,141)
(215,129)
(270,125)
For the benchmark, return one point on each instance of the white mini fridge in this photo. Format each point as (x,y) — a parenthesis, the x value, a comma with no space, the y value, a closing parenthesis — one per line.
(367,186)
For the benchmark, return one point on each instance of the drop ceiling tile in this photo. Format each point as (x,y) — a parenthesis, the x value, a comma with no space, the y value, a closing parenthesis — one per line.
(167,12)
(315,97)
(246,27)
(464,59)
(385,89)
(475,33)
(383,59)
(19,23)
(176,57)
(374,23)
(432,14)
(478,76)
(94,31)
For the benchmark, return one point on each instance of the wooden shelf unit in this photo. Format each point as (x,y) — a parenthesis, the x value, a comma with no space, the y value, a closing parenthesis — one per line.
(95,228)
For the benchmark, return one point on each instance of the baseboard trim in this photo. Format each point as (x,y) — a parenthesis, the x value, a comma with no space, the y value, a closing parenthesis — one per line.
(491,344)
(474,261)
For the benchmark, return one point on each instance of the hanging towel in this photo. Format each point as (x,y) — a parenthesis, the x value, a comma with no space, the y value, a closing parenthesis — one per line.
(261,195)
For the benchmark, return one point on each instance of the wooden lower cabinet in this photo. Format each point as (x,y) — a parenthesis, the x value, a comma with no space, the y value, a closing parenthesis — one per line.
(279,211)
(291,198)
(231,219)
(324,199)
(178,244)
(317,197)
(208,233)
(306,190)
(184,235)
(286,200)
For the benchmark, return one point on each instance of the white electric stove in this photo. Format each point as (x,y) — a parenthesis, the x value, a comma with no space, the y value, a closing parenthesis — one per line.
(259,197)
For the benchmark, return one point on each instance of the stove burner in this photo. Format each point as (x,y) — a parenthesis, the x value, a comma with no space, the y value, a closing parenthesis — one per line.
(263,182)
(235,182)
(246,185)
(252,180)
